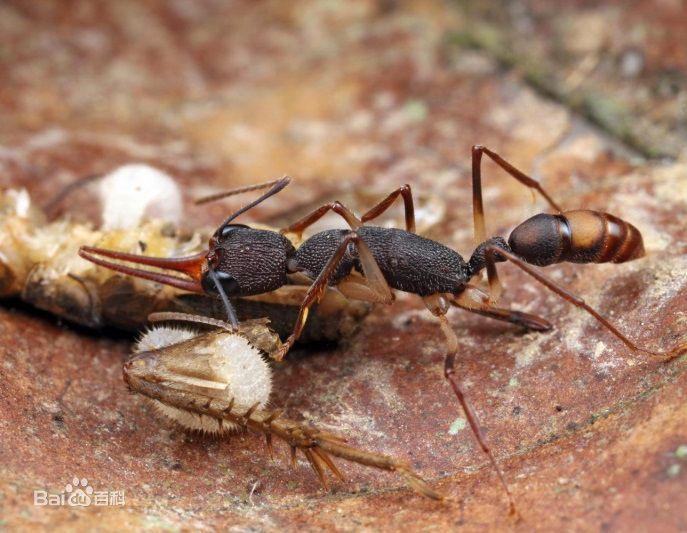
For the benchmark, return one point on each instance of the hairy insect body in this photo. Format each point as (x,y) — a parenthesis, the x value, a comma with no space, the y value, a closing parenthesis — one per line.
(221,365)
(218,381)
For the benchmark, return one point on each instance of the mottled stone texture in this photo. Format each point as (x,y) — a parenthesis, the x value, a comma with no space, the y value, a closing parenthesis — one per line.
(590,435)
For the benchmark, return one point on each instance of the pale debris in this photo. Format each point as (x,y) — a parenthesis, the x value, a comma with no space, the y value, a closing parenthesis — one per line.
(134,193)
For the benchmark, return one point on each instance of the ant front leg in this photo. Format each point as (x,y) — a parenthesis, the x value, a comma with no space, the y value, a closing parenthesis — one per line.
(438,306)
(379,290)
(478,204)
(568,296)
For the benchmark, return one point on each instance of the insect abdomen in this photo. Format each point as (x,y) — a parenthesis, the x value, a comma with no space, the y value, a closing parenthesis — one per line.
(580,236)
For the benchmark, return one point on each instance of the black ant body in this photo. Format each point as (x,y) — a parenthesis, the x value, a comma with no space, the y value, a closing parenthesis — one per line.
(243,261)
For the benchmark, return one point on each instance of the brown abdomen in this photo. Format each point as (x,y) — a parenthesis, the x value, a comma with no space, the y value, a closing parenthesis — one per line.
(580,236)
(601,238)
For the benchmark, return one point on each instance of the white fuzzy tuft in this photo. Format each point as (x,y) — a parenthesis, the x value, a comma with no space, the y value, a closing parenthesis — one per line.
(247,374)
(160,336)
(194,421)
(133,193)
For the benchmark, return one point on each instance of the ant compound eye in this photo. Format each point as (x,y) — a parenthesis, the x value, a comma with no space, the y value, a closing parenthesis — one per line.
(222,233)
(226,231)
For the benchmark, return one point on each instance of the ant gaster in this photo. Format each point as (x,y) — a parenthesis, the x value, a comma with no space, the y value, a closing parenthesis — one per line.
(243,261)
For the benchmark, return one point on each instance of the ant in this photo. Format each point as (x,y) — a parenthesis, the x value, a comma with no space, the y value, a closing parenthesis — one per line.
(367,262)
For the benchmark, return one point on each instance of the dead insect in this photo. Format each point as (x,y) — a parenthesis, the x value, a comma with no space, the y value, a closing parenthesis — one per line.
(40,265)
(366,262)
(218,382)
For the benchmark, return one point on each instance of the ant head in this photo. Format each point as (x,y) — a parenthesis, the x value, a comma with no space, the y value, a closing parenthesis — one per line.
(224,256)
(210,270)
(221,235)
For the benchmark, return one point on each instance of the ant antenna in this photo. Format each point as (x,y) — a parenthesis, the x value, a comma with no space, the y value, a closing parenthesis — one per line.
(239,190)
(276,186)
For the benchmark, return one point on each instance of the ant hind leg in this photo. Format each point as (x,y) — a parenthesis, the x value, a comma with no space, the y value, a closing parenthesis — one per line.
(478,204)
(579,302)
(438,306)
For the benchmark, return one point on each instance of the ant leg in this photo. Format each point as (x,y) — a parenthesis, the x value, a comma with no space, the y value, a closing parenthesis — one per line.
(231,313)
(308,220)
(357,287)
(438,305)
(477,304)
(408,205)
(374,277)
(353,221)
(579,302)
(478,204)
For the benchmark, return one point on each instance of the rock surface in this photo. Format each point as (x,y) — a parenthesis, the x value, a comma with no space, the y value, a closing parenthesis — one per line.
(344,95)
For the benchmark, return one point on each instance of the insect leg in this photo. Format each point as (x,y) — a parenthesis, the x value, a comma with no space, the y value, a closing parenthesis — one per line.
(478,204)
(317,446)
(374,278)
(403,191)
(579,302)
(475,301)
(438,305)
(299,226)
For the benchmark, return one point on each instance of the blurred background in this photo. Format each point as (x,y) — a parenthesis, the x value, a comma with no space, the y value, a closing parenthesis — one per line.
(589,97)
(223,93)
